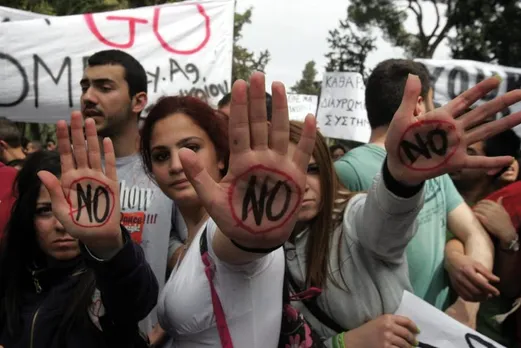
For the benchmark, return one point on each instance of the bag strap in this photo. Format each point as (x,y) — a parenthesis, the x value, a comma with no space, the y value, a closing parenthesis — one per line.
(220,317)
(312,306)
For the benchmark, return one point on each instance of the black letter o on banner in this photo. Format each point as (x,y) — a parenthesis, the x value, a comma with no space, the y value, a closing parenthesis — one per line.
(464,77)
(25,88)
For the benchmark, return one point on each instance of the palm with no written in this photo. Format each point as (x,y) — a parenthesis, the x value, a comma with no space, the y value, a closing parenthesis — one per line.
(85,198)
(423,147)
(255,204)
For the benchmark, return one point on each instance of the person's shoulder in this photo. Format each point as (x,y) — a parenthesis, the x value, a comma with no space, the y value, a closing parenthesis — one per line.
(510,190)
(7,173)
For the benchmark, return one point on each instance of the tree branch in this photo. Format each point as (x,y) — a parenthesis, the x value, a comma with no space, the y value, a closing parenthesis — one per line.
(441,36)
(437,21)
(419,17)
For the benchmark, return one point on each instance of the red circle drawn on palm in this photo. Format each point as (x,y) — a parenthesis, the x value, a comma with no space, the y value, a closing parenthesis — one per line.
(72,211)
(246,174)
(445,124)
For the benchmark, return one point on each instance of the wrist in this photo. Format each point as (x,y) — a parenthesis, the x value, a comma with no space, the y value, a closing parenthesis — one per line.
(105,249)
(509,244)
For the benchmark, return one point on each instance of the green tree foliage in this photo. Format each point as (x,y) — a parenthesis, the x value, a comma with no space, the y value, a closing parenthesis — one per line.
(348,49)
(488,31)
(307,84)
(244,61)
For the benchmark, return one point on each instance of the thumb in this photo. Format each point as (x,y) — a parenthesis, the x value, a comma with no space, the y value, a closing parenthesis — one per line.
(205,186)
(53,185)
(411,93)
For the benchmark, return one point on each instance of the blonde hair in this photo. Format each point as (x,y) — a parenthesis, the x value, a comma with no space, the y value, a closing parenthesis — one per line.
(335,198)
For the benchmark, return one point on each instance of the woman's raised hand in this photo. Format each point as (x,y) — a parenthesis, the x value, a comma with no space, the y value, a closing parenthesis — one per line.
(85,199)
(257,202)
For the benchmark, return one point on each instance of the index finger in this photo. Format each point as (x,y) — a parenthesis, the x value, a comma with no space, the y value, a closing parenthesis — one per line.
(462,102)
(480,278)
(238,126)
(406,323)
(64,146)
(279,130)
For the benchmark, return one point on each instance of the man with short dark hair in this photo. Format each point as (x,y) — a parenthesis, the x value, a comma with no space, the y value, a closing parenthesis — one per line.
(443,208)
(10,141)
(114,93)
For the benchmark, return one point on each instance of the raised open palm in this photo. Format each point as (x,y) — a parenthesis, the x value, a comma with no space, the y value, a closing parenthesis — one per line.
(256,202)
(435,143)
(85,198)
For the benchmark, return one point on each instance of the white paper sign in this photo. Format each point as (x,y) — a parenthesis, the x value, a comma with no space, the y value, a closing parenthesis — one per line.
(450,78)
(185,48)
(300,105)
(341,109)
(438,330)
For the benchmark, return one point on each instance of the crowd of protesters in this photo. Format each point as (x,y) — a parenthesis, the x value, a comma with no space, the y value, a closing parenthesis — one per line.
(236,227)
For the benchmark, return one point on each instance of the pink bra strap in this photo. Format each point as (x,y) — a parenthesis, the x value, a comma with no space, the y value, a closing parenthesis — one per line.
(220,318)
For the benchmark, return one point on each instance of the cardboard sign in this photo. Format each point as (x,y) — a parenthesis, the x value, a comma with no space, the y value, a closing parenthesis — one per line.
(186,49)
(300,105)
(438,330)
(450,78)
(341,109)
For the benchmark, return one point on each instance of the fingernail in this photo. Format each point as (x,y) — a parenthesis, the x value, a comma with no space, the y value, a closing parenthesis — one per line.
(498,77)
(416,343)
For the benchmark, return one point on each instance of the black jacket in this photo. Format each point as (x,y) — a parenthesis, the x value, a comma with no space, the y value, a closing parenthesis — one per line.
(128,288)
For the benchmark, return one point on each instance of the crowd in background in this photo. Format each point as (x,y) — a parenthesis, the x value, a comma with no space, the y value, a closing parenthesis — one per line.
(184,276)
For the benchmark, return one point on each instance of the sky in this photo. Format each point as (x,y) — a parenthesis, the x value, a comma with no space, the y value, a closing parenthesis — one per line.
(295,32)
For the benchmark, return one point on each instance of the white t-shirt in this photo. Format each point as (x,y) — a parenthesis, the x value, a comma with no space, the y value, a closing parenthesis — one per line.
(146,212)
(250,294)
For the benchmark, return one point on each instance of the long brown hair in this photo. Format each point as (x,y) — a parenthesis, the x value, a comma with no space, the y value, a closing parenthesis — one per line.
(330,214)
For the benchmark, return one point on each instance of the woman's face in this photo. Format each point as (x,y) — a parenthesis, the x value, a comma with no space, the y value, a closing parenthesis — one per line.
(510,175)
(52,238)
(312,199)
(170,135)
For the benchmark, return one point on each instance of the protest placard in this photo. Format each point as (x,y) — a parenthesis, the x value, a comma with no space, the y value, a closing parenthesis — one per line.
(8,14)
(300,105)
(341,108)
(186,49)
(450,78)
(438,330)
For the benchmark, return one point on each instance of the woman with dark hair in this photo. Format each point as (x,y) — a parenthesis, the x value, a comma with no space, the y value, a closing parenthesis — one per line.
(70,276)
(352,245)
(227,290)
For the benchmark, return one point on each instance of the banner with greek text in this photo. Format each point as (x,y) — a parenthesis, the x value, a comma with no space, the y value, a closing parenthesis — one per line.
(186,49)
(341,109)
(450,78)
(300,105)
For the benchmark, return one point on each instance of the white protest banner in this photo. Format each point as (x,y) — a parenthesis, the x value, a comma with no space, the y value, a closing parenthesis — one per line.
(185,48)
(438,330)
(300,105)
(450,78)
(341,109)
(8,14)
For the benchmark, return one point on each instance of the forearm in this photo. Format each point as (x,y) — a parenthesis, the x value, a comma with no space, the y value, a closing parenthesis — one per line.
(386,222)
(128,287)
(453,249)
(480,248)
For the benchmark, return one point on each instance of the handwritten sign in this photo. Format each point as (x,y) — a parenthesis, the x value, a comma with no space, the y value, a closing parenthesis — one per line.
(450,78)
(438,330)
(186,49)
(341,109)
(8,14)
(300,105)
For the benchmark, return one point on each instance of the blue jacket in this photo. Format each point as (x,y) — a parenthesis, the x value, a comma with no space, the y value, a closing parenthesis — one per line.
(128,288)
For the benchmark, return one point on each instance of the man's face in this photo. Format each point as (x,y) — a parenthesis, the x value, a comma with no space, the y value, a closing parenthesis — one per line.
(105,98)
(467,178)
